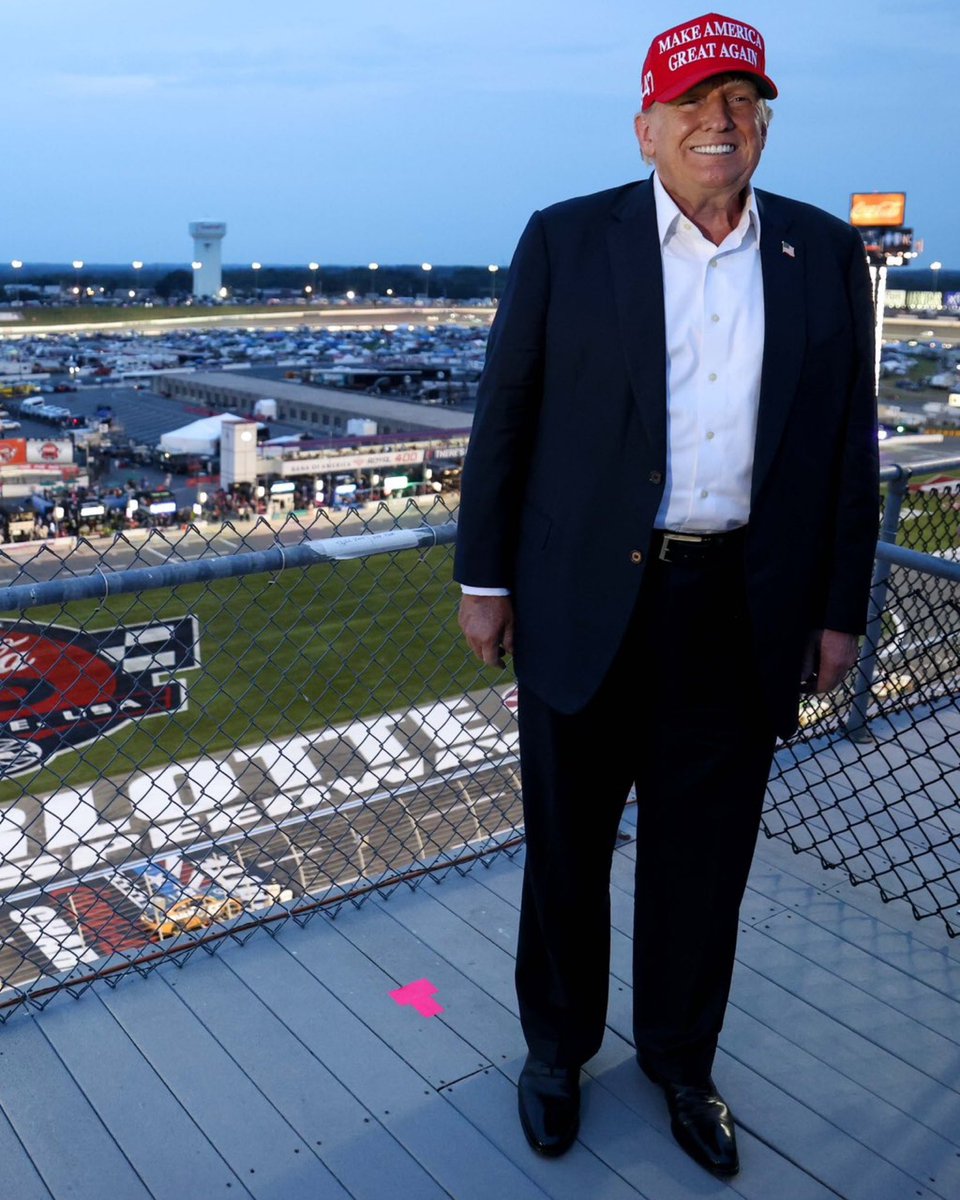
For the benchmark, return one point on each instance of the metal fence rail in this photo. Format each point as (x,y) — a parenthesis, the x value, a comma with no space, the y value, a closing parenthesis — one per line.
(871,786)
(208,730)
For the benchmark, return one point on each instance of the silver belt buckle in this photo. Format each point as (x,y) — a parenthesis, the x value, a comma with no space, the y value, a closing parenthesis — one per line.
(667,538)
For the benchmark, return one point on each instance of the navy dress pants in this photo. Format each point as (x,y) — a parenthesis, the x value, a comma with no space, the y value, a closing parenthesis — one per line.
(681,716)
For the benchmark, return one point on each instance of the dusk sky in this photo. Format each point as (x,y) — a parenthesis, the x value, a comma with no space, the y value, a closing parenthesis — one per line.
(426,130)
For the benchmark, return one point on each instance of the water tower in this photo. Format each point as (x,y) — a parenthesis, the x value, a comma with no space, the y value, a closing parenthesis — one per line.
(207,236)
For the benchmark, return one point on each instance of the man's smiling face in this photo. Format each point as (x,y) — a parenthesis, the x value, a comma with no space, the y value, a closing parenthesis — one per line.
(705,144)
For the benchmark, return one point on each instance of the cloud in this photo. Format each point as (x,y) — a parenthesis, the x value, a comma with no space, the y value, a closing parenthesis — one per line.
(77,85)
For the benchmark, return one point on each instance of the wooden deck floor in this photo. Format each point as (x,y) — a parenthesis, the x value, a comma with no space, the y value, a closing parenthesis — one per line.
(283,1069)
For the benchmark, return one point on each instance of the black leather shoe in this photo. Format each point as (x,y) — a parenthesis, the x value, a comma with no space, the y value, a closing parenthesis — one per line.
(702,1123)
(549,1102)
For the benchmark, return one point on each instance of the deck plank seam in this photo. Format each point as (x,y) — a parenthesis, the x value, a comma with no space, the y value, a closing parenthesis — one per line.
(824,925)
(384,907)
(865,897)
(833,1019)
(585,1146)
(511,1015)
(163,1083)
(938,992)
(858,1034)
(871,1151)
(374,1117)
(427,1082)
(26,1153)
(871,905)
(795,913)
(93,1108)
(597,1080)
(253,1083)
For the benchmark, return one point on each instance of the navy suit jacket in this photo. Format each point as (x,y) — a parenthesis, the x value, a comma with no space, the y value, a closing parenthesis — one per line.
(567,460)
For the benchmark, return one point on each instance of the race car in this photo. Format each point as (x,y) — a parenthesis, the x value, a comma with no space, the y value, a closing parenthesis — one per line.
(188,914)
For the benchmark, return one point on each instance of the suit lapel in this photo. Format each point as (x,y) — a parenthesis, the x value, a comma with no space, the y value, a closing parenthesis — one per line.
(634,249)
(784,284)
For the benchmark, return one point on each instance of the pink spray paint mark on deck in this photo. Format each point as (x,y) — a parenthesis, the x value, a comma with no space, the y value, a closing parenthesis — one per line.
(419,995)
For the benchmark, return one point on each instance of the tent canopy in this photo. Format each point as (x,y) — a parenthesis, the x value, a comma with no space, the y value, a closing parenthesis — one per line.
(199,437)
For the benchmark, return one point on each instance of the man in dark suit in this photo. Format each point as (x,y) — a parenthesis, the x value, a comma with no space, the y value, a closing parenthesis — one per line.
(668,516)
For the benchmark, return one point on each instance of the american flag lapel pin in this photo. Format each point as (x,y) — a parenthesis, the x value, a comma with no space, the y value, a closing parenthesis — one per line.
(788,250)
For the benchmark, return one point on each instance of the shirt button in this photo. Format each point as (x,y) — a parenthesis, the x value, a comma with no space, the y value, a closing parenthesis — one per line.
(704,493)
(636,556)
(714,263)
(712,377)
(715,317)
(710,435)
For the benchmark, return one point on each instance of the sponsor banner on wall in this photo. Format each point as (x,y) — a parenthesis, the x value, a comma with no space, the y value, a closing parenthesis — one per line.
(61,688)
(869,209)
(13,451)
(49,450)
(323,464)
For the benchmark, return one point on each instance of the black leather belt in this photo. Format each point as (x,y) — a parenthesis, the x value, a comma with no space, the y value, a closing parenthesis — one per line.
(695,548)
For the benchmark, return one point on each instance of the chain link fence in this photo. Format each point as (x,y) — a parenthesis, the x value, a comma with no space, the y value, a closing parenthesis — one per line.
(871,783)
(204,730)
(210,729)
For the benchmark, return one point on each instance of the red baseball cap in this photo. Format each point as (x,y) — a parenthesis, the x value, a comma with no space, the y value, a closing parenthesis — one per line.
(684,56)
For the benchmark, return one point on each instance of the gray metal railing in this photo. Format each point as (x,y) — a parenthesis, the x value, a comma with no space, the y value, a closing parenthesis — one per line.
(202,732)
(870,785)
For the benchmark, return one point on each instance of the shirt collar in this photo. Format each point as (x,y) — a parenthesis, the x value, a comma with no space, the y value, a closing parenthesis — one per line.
(668,214)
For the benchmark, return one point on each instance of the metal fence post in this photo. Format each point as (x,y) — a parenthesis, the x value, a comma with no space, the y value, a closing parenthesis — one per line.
(855,726)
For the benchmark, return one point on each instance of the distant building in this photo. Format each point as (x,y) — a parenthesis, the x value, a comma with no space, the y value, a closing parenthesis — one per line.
(207,274)
(321,411)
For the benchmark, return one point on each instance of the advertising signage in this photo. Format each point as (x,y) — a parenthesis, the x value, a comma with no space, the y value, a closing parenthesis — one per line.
(888,244)
(869,209)
(17,451)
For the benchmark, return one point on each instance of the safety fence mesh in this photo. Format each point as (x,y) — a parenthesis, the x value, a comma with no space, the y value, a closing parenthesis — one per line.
(211,729)
(182,762)
(882,803)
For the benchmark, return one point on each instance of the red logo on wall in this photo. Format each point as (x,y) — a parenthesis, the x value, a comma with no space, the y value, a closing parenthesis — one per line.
(61,688)
(50,451)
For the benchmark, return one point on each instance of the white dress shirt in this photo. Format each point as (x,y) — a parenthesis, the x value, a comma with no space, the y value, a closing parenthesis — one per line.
(713,308)
(713,305)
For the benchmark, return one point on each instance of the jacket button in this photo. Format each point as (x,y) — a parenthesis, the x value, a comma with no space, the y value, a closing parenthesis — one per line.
(636,556)
(656,477)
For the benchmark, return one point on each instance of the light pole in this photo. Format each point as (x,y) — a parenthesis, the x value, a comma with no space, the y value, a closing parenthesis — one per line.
(17,265)
(78,267)
(935,268)
(314,268)
(493,269)
(427,268)
(255,267)
(373,268)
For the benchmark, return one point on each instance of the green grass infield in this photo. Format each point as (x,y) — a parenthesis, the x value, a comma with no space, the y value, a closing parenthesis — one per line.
(295,651)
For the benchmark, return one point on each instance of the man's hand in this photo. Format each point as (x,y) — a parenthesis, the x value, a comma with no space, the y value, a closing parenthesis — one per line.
(829,656)
(487,624)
